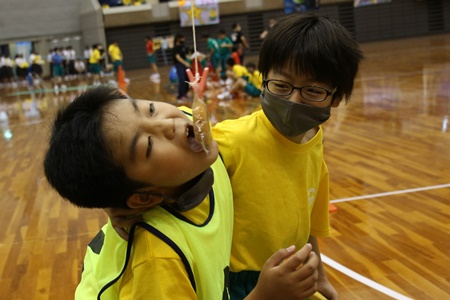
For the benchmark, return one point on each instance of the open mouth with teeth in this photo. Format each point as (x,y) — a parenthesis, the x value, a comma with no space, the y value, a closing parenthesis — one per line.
(192,142)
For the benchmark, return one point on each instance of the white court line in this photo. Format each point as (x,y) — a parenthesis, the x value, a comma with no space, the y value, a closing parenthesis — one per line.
(433,187)
(26,124)
(364,280)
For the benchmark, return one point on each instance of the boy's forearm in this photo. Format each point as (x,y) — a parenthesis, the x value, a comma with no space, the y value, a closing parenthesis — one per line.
(324,285)
(315,247)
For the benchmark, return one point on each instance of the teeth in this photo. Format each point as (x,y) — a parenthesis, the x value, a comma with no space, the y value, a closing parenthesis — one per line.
(190,131)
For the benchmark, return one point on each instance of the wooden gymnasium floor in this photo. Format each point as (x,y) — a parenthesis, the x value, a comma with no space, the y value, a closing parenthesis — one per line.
(388,152)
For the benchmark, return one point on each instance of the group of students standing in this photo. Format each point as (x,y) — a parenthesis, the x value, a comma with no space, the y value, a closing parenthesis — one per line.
(22,68)
(63,64)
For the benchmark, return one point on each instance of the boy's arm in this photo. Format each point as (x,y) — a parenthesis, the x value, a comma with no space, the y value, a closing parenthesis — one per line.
(244,41)
(181,60)
(286,275)
(323,285)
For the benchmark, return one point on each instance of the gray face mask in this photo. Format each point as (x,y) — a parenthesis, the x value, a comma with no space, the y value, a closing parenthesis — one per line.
(197,193)
(292,119)
(201,186)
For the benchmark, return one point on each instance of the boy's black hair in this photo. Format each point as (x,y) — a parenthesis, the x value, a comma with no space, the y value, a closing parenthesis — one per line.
(230,62)
(250,64)
(78,163)
(313,46)
(178,37)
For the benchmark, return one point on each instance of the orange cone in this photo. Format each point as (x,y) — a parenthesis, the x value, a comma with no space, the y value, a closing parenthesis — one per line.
(332,208)
(121,79)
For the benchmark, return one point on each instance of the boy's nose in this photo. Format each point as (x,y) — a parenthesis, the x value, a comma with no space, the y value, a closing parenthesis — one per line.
(296,97)
(164,127)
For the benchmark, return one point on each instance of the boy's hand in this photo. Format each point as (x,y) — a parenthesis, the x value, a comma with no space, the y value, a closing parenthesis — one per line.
(288,276)
(122,218)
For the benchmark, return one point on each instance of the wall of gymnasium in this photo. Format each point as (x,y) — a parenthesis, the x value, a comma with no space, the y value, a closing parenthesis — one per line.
(33,19)
(397,19)
(40,22)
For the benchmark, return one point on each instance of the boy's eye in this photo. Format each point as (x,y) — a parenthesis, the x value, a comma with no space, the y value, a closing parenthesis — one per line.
(314,91)
(152,109)
(149,147)
(280,85)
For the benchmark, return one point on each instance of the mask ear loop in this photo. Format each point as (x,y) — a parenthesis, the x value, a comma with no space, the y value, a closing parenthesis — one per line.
(165,197)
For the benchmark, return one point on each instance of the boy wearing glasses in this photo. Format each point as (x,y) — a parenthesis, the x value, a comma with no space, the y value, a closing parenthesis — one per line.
(274,157)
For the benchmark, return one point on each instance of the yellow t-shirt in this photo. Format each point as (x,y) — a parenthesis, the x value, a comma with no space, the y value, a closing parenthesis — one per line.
(256,79)
(95,57)
(37,60)
(114,52)
(240,71)
(280,189)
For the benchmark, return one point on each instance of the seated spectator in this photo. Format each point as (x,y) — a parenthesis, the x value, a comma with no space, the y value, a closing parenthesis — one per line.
(246,80)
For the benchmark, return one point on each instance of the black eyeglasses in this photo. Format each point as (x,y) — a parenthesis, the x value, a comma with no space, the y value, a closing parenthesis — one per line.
(310,93)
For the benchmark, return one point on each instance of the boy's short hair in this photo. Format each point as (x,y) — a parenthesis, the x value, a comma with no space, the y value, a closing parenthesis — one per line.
(79,163)
(178,37)
(250,64)
(313,46)
(230,62)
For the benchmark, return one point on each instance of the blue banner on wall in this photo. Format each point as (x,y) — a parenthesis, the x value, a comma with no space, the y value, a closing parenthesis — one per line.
(291,6)
(359,3)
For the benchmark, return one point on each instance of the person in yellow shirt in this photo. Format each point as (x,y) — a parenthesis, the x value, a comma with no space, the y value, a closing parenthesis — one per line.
(94,63)
(115,55)
(308,65)
(245,79)
(235,70)
(250,85)
(21,66)
(36,62)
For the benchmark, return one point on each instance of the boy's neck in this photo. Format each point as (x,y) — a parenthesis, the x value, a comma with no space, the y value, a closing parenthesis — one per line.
(195,191)
(305,137)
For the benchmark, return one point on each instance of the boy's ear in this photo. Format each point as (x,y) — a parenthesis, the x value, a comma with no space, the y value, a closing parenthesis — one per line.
(144,201)
(336,102)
